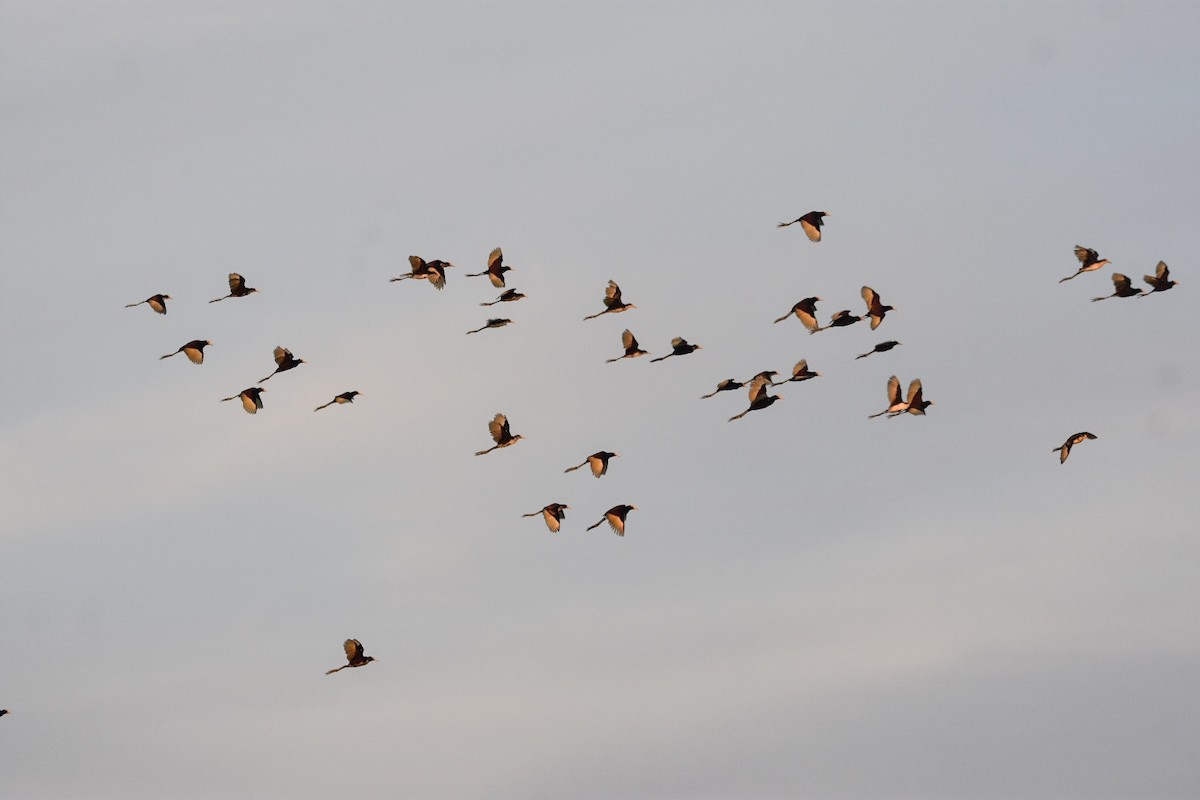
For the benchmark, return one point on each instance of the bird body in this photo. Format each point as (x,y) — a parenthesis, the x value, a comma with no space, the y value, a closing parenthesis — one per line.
(194,350)
(553,514)
(1122,287)
(876,310)
(498,428)
(158,302)
(1160,281)
(882,347)
(615,517)
(495,269)
(801,372)
(341,399)
(510,296)
(1064,449)
(679,347)
(613,304)
(632,350)
(597,461)
(1089,260)
(806,312)
(840,320)
(492,323)
(727,385)
(237,288)
(354,656)
(810,222)
(283,362)
(251,399)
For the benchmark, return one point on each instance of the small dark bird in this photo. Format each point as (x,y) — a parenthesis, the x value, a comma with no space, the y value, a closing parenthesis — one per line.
(882,347)
(916,403)
(800,372)
(616,518)
(766,376)
(1065,449)
(1122,287)
(876,310)
(283,362)
(896,402)
(1160,281)
(612,302)
(194,350)
(237,288)
(811,223)
(251,399)
(597,461)
(341,399)
(679,347)
(492,323)
(158,302)
(631,347)
(354,656)
(758,394)
(806,312)
(509,296)
(840,320)
(498,427)
(727,385)
(553,514)
(3,711)
(1089,260)
(495,269)
(432,271)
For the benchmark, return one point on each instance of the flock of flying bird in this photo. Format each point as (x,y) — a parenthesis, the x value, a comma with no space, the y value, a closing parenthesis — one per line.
(899,403)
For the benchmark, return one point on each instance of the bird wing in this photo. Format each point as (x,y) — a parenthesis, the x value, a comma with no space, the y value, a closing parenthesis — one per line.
(800,368)
(758,387)
(616,519)
(1161,272)
(236,283)
(914,392)
(677,342)
(251,403)
(871,299)
(598,463)
(158,303)
(1121,282)
(354,649)
(893,391)
(282,354)
(495,260)
(498,427)
(194,351)
(418,265)
(553,518)
(628,341)
(1086,255)
(437,276)
(612,295)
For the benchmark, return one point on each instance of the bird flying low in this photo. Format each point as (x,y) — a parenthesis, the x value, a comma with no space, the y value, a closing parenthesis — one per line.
(679,347)
(631,347)
(251,399)
(615,517)
(283,362)
(1160,281)
(806,312)
(1089,260)
(498,428)
(553,514)
(810,222)
(194,350)
(341,399)
(597,461)
(495,269)
(158,302)
(758,394)
(237,288)
(354,656)
(876,310)
(492,323)
(1064,449)
(612,302)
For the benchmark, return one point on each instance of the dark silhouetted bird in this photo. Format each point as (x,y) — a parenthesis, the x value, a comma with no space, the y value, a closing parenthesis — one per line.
(840,320)
(251,399)
(194,350)
(767,376)
(896,402)
(616,518)
(800,372)
(806,312)
(727,385)
(679,347)
(283,362)
(882,347)
(498,427)
(758,394)
(432,271)
(495,269)
(493,323)
(158,302)
(1089,260)
(237,288)
(510,296)
(3,711)
(341,399)
(916,403)
(1160,281)
(597,461)
(811,223)
(554,514)
(612,302)
(876,310)
(1122,287)
(1064,450)
(631,347)
(354,656)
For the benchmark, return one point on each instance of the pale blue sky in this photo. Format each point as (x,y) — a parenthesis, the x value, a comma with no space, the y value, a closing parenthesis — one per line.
(807,603)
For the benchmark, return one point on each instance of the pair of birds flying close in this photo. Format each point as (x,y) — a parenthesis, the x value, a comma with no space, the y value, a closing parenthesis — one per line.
(1160,281)
(555,513)
(897,404)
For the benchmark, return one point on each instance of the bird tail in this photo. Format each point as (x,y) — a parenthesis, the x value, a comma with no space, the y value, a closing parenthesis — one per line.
(331,402)
(534,514)
(706,396)
(572,469)
(168,355)
(864,355)
(593,316)
(219,299)
(227,399)
(739,416)
(490,304)
(597,525)
(660,358)
(263,380)
(131,305)
(485,452)
(338,669)
(477,330)
(880,414)
(611,360)
(1064,280)
(401,278)
(784,224)
(785,316)
(475,274)
(1098,299)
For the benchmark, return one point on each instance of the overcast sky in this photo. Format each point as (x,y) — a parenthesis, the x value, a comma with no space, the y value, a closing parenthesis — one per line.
(807,603)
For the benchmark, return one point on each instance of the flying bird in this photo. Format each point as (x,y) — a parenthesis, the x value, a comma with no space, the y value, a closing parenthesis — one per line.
(510,296)
(283,362)
(237,288)
(1064,449)
(896,402)
(1160,281)
(194,350)
(597,461)
(840,320)
(432,271)
(679,347)
(1089,260)
(492,323)
(811,223)
(3,711)
(916,403)
(882,347)
(158,302)
(341,399)
(1122,287)
(498,427)
(806,312)
(251,399)
(758,394)
(631,347)
(876,310)
(800,372)
(553,514)
(612,302)
(354,656)
(616,518)
(727,385)
(495,269)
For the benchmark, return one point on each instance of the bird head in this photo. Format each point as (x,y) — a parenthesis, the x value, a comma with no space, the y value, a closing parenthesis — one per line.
(166,297)
(207,343)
